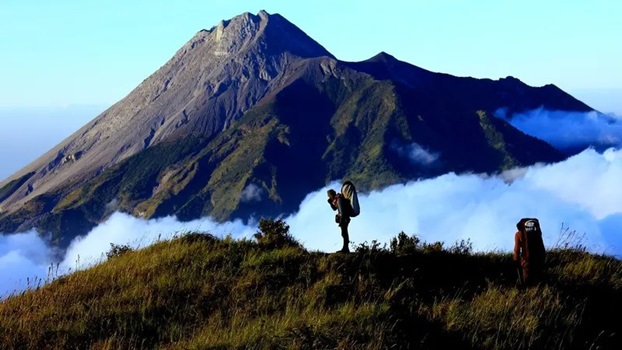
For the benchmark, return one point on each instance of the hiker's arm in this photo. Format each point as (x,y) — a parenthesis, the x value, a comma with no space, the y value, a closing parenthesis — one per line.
(517,246)
(332,205)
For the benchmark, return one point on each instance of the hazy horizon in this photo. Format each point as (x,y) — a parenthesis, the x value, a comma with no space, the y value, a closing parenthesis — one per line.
(29,132)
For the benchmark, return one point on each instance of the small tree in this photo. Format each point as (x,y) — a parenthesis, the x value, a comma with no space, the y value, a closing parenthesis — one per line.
(371,249)
(462,247)
(436,247)
(117,250)
(275,234)
(404,244)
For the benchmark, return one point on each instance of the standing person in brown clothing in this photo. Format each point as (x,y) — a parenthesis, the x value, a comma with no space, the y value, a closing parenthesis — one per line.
(529,250)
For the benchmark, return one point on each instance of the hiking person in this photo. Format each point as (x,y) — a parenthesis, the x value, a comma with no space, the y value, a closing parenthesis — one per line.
(529,251)
(347,206)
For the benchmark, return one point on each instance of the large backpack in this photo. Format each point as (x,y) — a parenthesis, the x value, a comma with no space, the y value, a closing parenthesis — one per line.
(532,236)
(349,192)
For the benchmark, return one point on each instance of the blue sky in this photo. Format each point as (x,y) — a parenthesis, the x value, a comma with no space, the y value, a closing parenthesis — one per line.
(64,52)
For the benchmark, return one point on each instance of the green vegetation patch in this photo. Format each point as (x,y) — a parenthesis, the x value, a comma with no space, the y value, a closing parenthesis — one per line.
(496,141)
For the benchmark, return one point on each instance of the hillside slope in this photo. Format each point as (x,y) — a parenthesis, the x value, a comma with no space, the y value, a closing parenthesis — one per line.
(199,292)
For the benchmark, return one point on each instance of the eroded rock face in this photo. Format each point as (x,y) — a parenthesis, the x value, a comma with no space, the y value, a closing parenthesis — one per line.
(201,90)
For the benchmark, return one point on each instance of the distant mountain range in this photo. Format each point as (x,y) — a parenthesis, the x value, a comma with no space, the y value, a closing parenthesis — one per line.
(250,116)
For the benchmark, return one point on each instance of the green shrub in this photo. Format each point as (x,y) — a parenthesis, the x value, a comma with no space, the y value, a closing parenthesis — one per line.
(275,234)
(118,250)
(404,244)
(462,247)
(366,248)
(436,247)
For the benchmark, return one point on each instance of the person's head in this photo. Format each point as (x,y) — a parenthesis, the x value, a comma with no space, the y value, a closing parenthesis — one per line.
(331,194)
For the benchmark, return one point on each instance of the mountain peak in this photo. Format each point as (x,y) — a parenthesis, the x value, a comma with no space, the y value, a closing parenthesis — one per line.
(382,57)
(263,14)
(270,33)
(511,80)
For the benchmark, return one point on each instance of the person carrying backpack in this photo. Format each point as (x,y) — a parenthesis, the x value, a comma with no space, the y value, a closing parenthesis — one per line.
(347,206)
(529,251)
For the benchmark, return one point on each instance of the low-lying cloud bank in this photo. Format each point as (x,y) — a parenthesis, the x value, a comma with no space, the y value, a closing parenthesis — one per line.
(583,193)
(568,130)
(26,260)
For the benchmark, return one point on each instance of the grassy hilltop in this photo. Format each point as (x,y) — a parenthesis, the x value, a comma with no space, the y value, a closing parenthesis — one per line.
(200,292)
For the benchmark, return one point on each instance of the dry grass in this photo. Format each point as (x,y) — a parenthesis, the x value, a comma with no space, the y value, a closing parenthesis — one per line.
(199,292)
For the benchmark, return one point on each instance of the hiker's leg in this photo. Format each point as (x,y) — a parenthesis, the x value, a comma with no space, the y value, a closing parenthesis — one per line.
(345,236)
(526,275)
(536,274)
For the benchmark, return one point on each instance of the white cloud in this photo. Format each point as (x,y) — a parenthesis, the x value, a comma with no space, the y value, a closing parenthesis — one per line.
(583,193)
(25,257)
(124,229)
(24,261)
(112,206)
(568,130)
(416,154)
(251,193)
